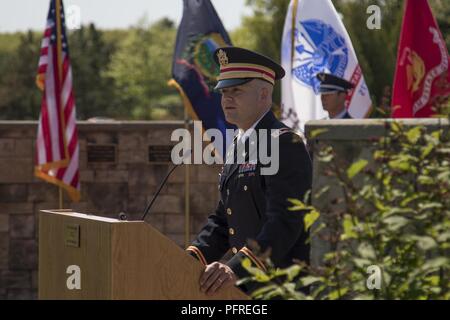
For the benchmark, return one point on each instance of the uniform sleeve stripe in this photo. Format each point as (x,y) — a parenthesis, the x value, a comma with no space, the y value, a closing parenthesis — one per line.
(254,259)
(198,253)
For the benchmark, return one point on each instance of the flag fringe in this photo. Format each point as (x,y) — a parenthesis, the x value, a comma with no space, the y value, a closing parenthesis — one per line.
(74,194)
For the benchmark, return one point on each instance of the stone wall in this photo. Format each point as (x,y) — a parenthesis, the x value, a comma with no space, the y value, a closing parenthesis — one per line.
(125,185)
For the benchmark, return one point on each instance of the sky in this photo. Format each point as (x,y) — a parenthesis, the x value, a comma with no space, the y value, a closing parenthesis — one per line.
(22,15)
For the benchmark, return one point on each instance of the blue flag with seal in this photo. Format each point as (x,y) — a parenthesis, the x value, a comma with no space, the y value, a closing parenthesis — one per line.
(194,71)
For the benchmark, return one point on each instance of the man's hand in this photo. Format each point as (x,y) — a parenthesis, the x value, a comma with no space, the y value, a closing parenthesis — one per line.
(216,276)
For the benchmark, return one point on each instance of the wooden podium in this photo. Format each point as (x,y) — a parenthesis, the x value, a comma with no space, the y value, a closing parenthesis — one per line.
(116,260)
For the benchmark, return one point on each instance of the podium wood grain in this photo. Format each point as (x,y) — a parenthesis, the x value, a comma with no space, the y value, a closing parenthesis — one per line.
(118,260)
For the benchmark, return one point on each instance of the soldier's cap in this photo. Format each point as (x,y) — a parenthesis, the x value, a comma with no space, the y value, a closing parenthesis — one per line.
(330,83)
(239,66)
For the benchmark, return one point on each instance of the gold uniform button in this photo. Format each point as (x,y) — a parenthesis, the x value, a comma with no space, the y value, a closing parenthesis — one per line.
(234,250)
(229,211)
(231,231)
(245,188)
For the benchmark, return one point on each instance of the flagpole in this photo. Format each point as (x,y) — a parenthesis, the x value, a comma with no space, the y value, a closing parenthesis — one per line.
(60,80)
(294,17)
(187,228)
(58,58)
(60,198)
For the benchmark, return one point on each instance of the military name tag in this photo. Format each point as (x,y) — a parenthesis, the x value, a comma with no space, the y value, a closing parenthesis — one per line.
(72,235)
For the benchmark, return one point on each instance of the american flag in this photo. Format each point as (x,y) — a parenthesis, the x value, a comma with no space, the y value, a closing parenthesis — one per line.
(57,149)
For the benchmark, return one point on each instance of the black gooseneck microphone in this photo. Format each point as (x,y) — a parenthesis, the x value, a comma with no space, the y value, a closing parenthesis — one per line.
(147,209)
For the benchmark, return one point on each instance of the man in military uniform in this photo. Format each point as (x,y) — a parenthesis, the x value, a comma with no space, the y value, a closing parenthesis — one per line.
(333,92)
(253,205)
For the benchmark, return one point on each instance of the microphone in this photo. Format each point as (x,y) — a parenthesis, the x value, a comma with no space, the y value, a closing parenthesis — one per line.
(123,216)
(147,209)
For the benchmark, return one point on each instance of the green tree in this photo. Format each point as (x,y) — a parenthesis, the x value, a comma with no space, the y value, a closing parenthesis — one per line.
(441,10)
(141,68)
(19,96)
(90,57)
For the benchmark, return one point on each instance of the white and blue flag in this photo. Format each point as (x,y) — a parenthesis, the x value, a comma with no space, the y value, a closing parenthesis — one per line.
(315,40)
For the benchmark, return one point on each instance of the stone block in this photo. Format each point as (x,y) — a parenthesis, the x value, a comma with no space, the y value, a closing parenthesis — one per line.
(20,131)
(22,226)
(82,144)
(7,147)
(21,294)
(198,222)
(168,204)
(177,238)
(16,170)
(109,198)
(43,192)
(113,176)
(23,254)
(87,175)
(4,222)
(51,205)
(207,173)
(81,207)
(142,176)
(178,176)
(174,223)
(4,250)
(110,137)
(157,221)
(24,148)
(83,164)
(133,156)
(130,140)
(203,198)
(17,279)
(34,279)
(175,189)
(16,208)
(160,137)
(13,192)
(136,204)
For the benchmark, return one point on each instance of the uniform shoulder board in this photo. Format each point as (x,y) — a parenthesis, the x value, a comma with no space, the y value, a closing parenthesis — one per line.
(281,131)
(298,135)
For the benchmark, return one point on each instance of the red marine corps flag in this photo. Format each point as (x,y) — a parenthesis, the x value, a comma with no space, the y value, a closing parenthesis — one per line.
(422,73)
(57,139)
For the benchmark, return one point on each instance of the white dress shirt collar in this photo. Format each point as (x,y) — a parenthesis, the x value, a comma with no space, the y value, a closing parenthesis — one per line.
(341,115)
(244,135)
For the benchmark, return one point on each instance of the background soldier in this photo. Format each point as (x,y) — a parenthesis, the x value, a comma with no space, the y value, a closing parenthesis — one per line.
(333,92)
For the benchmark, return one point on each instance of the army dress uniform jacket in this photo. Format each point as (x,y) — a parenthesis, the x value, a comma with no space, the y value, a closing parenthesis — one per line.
(255,206)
